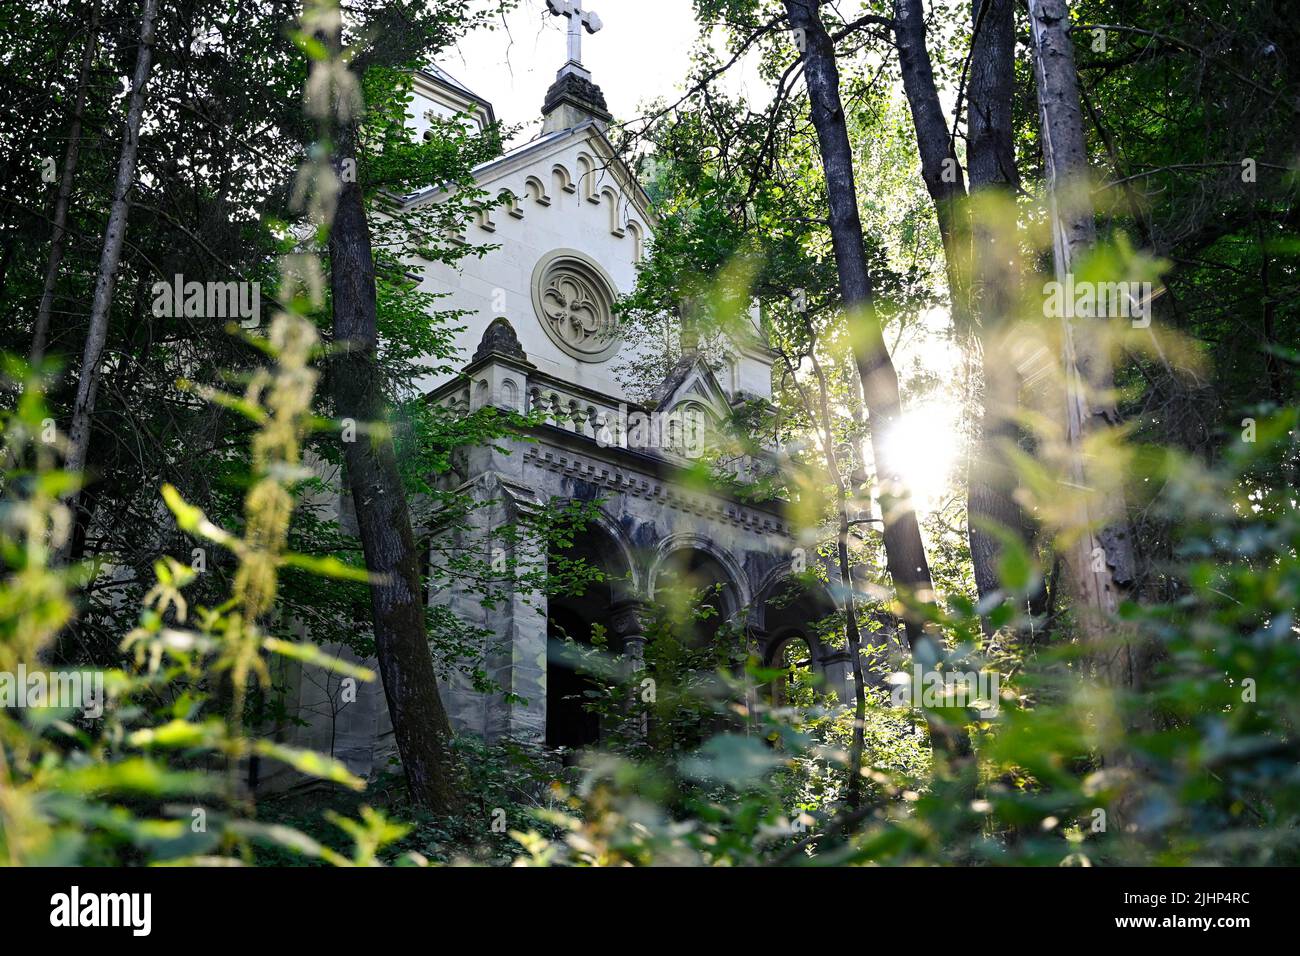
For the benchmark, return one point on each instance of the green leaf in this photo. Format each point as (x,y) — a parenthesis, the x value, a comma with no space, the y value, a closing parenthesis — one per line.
(286,837)
(329,566)
(180,733)
(138,775)
(732,759)
(309,762)
(191,519)
(311,654)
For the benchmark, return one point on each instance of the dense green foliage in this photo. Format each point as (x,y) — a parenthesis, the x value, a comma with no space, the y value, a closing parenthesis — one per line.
(206,535)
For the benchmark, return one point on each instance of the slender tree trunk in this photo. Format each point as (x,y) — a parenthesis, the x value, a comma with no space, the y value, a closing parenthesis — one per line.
(945,184)
(420,722)
(852,632)
(970,266)
(939,167)
(991,157)
(41,332)
(1101,565)
(1268,302)
(83,409)
(904,551)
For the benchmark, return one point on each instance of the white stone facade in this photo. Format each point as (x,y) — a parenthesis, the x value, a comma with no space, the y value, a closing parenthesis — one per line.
(578,221)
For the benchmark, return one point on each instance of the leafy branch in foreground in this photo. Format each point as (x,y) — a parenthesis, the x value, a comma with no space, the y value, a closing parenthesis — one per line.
(95,788)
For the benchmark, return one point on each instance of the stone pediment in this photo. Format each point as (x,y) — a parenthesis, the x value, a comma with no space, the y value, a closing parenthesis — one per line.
(691,380)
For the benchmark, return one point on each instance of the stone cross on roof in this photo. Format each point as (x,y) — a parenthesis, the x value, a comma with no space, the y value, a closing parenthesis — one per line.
(579,19)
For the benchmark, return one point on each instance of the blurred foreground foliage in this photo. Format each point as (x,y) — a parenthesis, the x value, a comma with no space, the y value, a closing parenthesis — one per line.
(714,767)
(153,771)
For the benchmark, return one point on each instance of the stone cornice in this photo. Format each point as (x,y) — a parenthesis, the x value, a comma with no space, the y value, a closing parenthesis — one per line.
(656,487)
(537,378)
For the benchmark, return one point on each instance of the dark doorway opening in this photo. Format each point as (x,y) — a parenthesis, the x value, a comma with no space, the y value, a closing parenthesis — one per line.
(794,616)
(792,656)
(569,721)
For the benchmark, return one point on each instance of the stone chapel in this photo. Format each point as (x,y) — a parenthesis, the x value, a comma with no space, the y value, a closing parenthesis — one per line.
(541,333)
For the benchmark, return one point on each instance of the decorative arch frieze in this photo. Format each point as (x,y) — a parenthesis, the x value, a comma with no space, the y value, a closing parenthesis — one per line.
(535,190)
(510,202)
(638,239)
(615,212)
(587,178)
(563,178)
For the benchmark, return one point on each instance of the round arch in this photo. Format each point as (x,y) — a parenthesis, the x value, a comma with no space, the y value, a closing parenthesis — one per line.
(783,637)
(572,617)
(791,646)
(779,576)
(736,592)
(787,608)
(614,548)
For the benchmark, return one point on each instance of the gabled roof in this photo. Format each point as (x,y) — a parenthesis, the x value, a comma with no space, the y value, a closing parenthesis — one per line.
(434,70)
(692,379)
(458,90)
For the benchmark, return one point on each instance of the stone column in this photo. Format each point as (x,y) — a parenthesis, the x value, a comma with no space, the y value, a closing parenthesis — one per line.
(627,622)
(513,623)
(755,644)
(837,671)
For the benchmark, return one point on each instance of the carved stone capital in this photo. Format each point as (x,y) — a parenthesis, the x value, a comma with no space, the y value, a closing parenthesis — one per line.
(628,621)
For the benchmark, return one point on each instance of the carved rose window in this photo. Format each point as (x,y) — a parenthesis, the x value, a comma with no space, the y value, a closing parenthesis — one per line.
(574,301)
(573,309)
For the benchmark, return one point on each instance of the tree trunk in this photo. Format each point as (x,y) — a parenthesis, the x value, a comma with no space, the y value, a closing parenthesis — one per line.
(939,167)
(1101,564)
(904,551)
(852,632)
(420,723)
(991,480)
(991,151)
(83,409)
(991,156)
(40,334)
(945,184)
